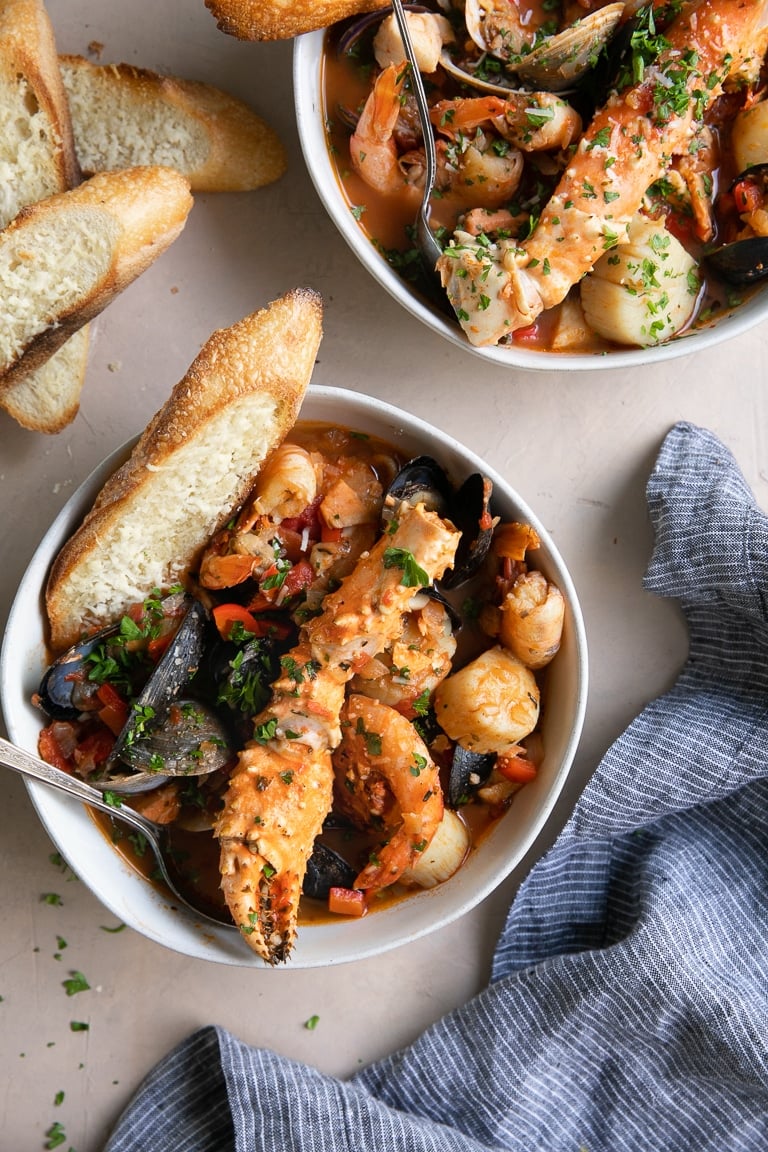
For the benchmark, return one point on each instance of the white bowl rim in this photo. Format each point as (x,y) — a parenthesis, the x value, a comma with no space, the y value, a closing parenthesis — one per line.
(115,882)
(307,74)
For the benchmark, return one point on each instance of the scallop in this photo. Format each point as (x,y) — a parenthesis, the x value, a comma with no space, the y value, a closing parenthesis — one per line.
(749,136)
(490,704)
(644,291)
(428,32)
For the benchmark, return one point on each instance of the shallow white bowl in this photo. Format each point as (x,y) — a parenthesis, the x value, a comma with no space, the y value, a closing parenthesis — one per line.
(137,902)
(311,121)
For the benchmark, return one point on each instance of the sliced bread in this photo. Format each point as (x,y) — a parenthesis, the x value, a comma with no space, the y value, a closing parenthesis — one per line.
(64,259)
(48,399)
(193,465)
(123,116)
(37,159)
(282,19)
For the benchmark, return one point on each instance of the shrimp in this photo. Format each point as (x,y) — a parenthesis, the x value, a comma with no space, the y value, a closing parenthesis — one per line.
(387,777)
(372,147)
(284,487)
(531,624)
(471,169)
(281,789)
(626,147)
(417,661)
(532,121)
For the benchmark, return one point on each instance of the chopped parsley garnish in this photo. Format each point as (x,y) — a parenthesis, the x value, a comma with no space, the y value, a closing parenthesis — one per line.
(413,576)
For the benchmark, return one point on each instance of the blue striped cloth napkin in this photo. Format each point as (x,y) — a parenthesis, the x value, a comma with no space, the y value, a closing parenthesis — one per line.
(628,1006)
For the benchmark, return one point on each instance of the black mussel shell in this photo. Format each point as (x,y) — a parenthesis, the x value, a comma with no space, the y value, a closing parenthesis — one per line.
(467,770)
(470,512)
(66,680)
(422,481)
(326,869)
(189,740)
(170,677)
(741,263)
(453,614)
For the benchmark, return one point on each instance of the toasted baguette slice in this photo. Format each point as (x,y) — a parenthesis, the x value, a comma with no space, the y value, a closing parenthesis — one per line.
(64,259)
(48,399)
(37,159)
(281,19)
(193,465)
(37,150)
(125,116)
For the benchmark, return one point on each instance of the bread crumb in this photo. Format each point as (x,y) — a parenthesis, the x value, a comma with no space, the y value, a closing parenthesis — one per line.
(174,290)
(114,366)
(95,48)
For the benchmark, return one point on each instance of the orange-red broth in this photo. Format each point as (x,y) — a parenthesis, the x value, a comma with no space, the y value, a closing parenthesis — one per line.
(387,220)
(196,852)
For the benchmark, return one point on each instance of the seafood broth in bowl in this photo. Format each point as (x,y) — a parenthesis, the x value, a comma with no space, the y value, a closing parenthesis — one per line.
(567,228)
(330,941)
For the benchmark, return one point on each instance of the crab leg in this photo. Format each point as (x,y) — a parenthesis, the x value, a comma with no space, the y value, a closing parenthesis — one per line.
(626,147)
(281,788)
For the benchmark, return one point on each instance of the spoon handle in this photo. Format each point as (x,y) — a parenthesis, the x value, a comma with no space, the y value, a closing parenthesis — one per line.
(430,249)
(26,764)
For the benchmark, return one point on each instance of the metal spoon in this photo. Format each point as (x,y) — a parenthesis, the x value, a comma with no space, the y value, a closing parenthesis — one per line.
(156,835)
(428,246)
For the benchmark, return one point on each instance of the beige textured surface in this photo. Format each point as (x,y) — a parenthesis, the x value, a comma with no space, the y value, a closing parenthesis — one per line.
(578,449)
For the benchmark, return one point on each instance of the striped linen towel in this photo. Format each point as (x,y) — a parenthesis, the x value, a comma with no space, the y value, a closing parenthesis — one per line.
(628,1005)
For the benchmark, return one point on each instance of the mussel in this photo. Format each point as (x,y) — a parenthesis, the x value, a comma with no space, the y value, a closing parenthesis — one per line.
(423,480)
(166,732)
(744,262)
(66,690)
(326,869)
(468,769)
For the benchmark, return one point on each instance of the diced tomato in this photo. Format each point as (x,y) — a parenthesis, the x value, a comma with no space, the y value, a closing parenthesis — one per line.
(516,769)
(331,535)
(50,750)
(300,576)
(225,616)
(347,902)
(92,751)
(158,644)
(522,335)
(114,710)
(309,518)
(747,196)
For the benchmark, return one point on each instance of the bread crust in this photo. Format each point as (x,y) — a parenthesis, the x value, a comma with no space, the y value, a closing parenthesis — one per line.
(266,358)
(282,19)
(242,153)
(147,207)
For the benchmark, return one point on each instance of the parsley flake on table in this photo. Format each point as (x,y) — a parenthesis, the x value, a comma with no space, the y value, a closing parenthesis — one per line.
(312,1023)
(75,983)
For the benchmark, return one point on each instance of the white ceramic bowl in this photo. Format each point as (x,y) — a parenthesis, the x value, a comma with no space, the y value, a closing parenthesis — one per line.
(311,121)
(137,902)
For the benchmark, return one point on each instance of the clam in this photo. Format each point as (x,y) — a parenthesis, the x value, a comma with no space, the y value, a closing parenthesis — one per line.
(554,63)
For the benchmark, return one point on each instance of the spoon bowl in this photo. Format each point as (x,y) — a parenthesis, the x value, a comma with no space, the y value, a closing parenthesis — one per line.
(156,835)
